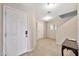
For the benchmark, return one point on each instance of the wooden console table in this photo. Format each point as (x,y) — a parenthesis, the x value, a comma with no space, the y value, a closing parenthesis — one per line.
(71,45)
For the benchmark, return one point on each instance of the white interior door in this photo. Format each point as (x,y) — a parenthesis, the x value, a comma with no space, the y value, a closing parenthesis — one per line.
(15,31)
(40,29)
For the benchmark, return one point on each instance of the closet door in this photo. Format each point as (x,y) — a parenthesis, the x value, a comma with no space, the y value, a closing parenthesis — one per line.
(40,29)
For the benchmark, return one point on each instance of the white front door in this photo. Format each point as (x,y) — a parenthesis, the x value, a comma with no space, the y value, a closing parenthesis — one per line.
(15,31)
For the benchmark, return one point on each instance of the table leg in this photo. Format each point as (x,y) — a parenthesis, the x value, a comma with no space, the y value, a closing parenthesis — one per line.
(62,50)
(75,52)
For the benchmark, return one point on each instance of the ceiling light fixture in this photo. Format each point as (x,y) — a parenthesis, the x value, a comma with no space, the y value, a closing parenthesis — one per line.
(47,17)
(50,5)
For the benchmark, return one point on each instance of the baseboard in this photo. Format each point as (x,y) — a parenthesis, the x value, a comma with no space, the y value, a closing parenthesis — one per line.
(41,38)
(25,52)
(50,38)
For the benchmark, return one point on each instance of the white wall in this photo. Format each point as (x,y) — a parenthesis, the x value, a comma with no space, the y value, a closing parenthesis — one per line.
(52,33)
(1,44)
(32,29)
(67,30)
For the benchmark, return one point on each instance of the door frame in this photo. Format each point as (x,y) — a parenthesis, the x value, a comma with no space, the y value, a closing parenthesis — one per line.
(4,34)
(4,13)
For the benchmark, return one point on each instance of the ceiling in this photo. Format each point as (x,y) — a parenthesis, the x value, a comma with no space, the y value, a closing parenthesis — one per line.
(40,10)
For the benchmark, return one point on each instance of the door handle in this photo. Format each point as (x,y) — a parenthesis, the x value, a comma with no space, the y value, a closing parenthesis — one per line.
(26,32)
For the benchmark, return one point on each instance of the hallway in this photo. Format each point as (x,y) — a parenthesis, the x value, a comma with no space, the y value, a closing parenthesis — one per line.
(23,25)
(48,47)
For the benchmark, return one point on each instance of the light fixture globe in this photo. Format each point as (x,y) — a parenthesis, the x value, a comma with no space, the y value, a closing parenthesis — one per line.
(47,18)
(50,5)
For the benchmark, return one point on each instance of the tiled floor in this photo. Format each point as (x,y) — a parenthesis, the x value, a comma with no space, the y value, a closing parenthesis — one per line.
(48,47)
